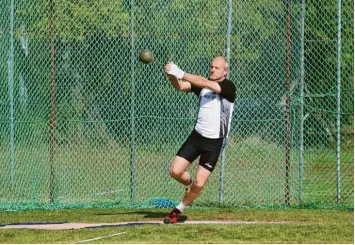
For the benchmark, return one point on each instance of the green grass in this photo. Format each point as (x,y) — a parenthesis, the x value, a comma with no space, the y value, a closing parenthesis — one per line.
(301,226)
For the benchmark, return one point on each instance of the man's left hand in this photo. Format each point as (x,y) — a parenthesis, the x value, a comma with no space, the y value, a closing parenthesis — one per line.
(174,70)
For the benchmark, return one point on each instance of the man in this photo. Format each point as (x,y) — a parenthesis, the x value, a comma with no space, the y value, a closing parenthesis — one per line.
(207,140)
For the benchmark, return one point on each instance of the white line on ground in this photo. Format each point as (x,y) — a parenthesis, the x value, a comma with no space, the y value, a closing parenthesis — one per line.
(101,237)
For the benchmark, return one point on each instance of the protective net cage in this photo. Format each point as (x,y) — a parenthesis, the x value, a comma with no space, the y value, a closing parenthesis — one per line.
(84,124)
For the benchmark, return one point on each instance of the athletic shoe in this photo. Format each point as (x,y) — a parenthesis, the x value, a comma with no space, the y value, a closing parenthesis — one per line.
(172,217)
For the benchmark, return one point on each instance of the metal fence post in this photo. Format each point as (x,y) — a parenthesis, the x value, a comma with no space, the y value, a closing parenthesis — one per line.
(53,91)
(288,116)
(229,30)
(338,102)
(11,95)
(132,161)
(302,118)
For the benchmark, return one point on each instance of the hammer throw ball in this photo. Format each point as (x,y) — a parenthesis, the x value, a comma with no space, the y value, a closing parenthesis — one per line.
(146,56)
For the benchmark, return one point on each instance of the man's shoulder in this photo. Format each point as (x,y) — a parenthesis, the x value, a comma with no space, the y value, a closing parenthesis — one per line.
(227,84)
(228,90)
(227,81)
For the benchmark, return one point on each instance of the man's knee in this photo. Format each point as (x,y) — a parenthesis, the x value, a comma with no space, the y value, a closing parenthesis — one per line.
(178,167)
(175,172)
(198,184)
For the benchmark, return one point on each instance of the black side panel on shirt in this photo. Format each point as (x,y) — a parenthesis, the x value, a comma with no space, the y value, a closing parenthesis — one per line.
(227,90)
(196,90)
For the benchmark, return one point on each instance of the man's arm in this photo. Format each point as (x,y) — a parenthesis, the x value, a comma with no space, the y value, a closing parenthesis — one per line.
(179,84)
(173,70)
(202,82)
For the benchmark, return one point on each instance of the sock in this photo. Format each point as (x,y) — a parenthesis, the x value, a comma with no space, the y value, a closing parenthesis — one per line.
(181,207)
(190,183)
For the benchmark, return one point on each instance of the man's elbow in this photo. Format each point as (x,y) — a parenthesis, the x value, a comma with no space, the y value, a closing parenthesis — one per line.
(178,87)
(214,86)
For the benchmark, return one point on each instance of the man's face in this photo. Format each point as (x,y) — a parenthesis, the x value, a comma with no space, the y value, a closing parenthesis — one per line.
(218,69)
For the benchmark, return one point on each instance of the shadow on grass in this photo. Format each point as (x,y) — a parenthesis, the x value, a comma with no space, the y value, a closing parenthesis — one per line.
(148,214)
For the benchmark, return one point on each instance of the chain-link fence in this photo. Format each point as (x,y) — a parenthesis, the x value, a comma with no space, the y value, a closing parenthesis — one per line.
(83,123)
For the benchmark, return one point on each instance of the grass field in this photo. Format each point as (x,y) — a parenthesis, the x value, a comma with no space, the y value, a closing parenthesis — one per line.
(254,176)
(300,226)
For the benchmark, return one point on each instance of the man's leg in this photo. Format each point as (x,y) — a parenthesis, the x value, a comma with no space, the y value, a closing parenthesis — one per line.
(179,173)
(201,177)
(178,170)
(185,156)
(207,163)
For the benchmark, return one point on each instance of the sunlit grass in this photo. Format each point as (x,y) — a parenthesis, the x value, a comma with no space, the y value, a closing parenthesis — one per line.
(300,226)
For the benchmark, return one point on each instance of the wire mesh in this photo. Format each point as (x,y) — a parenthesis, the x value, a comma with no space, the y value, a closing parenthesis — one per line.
(84,124)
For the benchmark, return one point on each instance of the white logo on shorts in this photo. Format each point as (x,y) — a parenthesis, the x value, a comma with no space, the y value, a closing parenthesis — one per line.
(208,165)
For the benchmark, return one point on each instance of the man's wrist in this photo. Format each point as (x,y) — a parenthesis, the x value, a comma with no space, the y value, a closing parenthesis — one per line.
(176,71)
(180,74)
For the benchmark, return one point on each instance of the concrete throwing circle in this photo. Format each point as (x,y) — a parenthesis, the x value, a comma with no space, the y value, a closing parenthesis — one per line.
(68,226)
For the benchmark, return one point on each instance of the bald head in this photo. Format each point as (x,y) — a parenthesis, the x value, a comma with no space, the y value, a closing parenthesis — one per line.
(219,69)
(221,59)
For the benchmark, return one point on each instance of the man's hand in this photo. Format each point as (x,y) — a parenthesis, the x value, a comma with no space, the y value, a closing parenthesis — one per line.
(172,69)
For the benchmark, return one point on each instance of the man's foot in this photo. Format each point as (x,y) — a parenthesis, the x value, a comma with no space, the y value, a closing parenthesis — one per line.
(172,217)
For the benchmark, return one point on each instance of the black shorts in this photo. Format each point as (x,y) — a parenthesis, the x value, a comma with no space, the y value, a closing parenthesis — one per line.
(208,150)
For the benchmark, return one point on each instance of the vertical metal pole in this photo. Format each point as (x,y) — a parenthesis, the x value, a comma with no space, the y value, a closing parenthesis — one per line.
(288,119)
(132,162)
(52,87)
(301,150)
(229,31)
(11,96)
(339,103)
